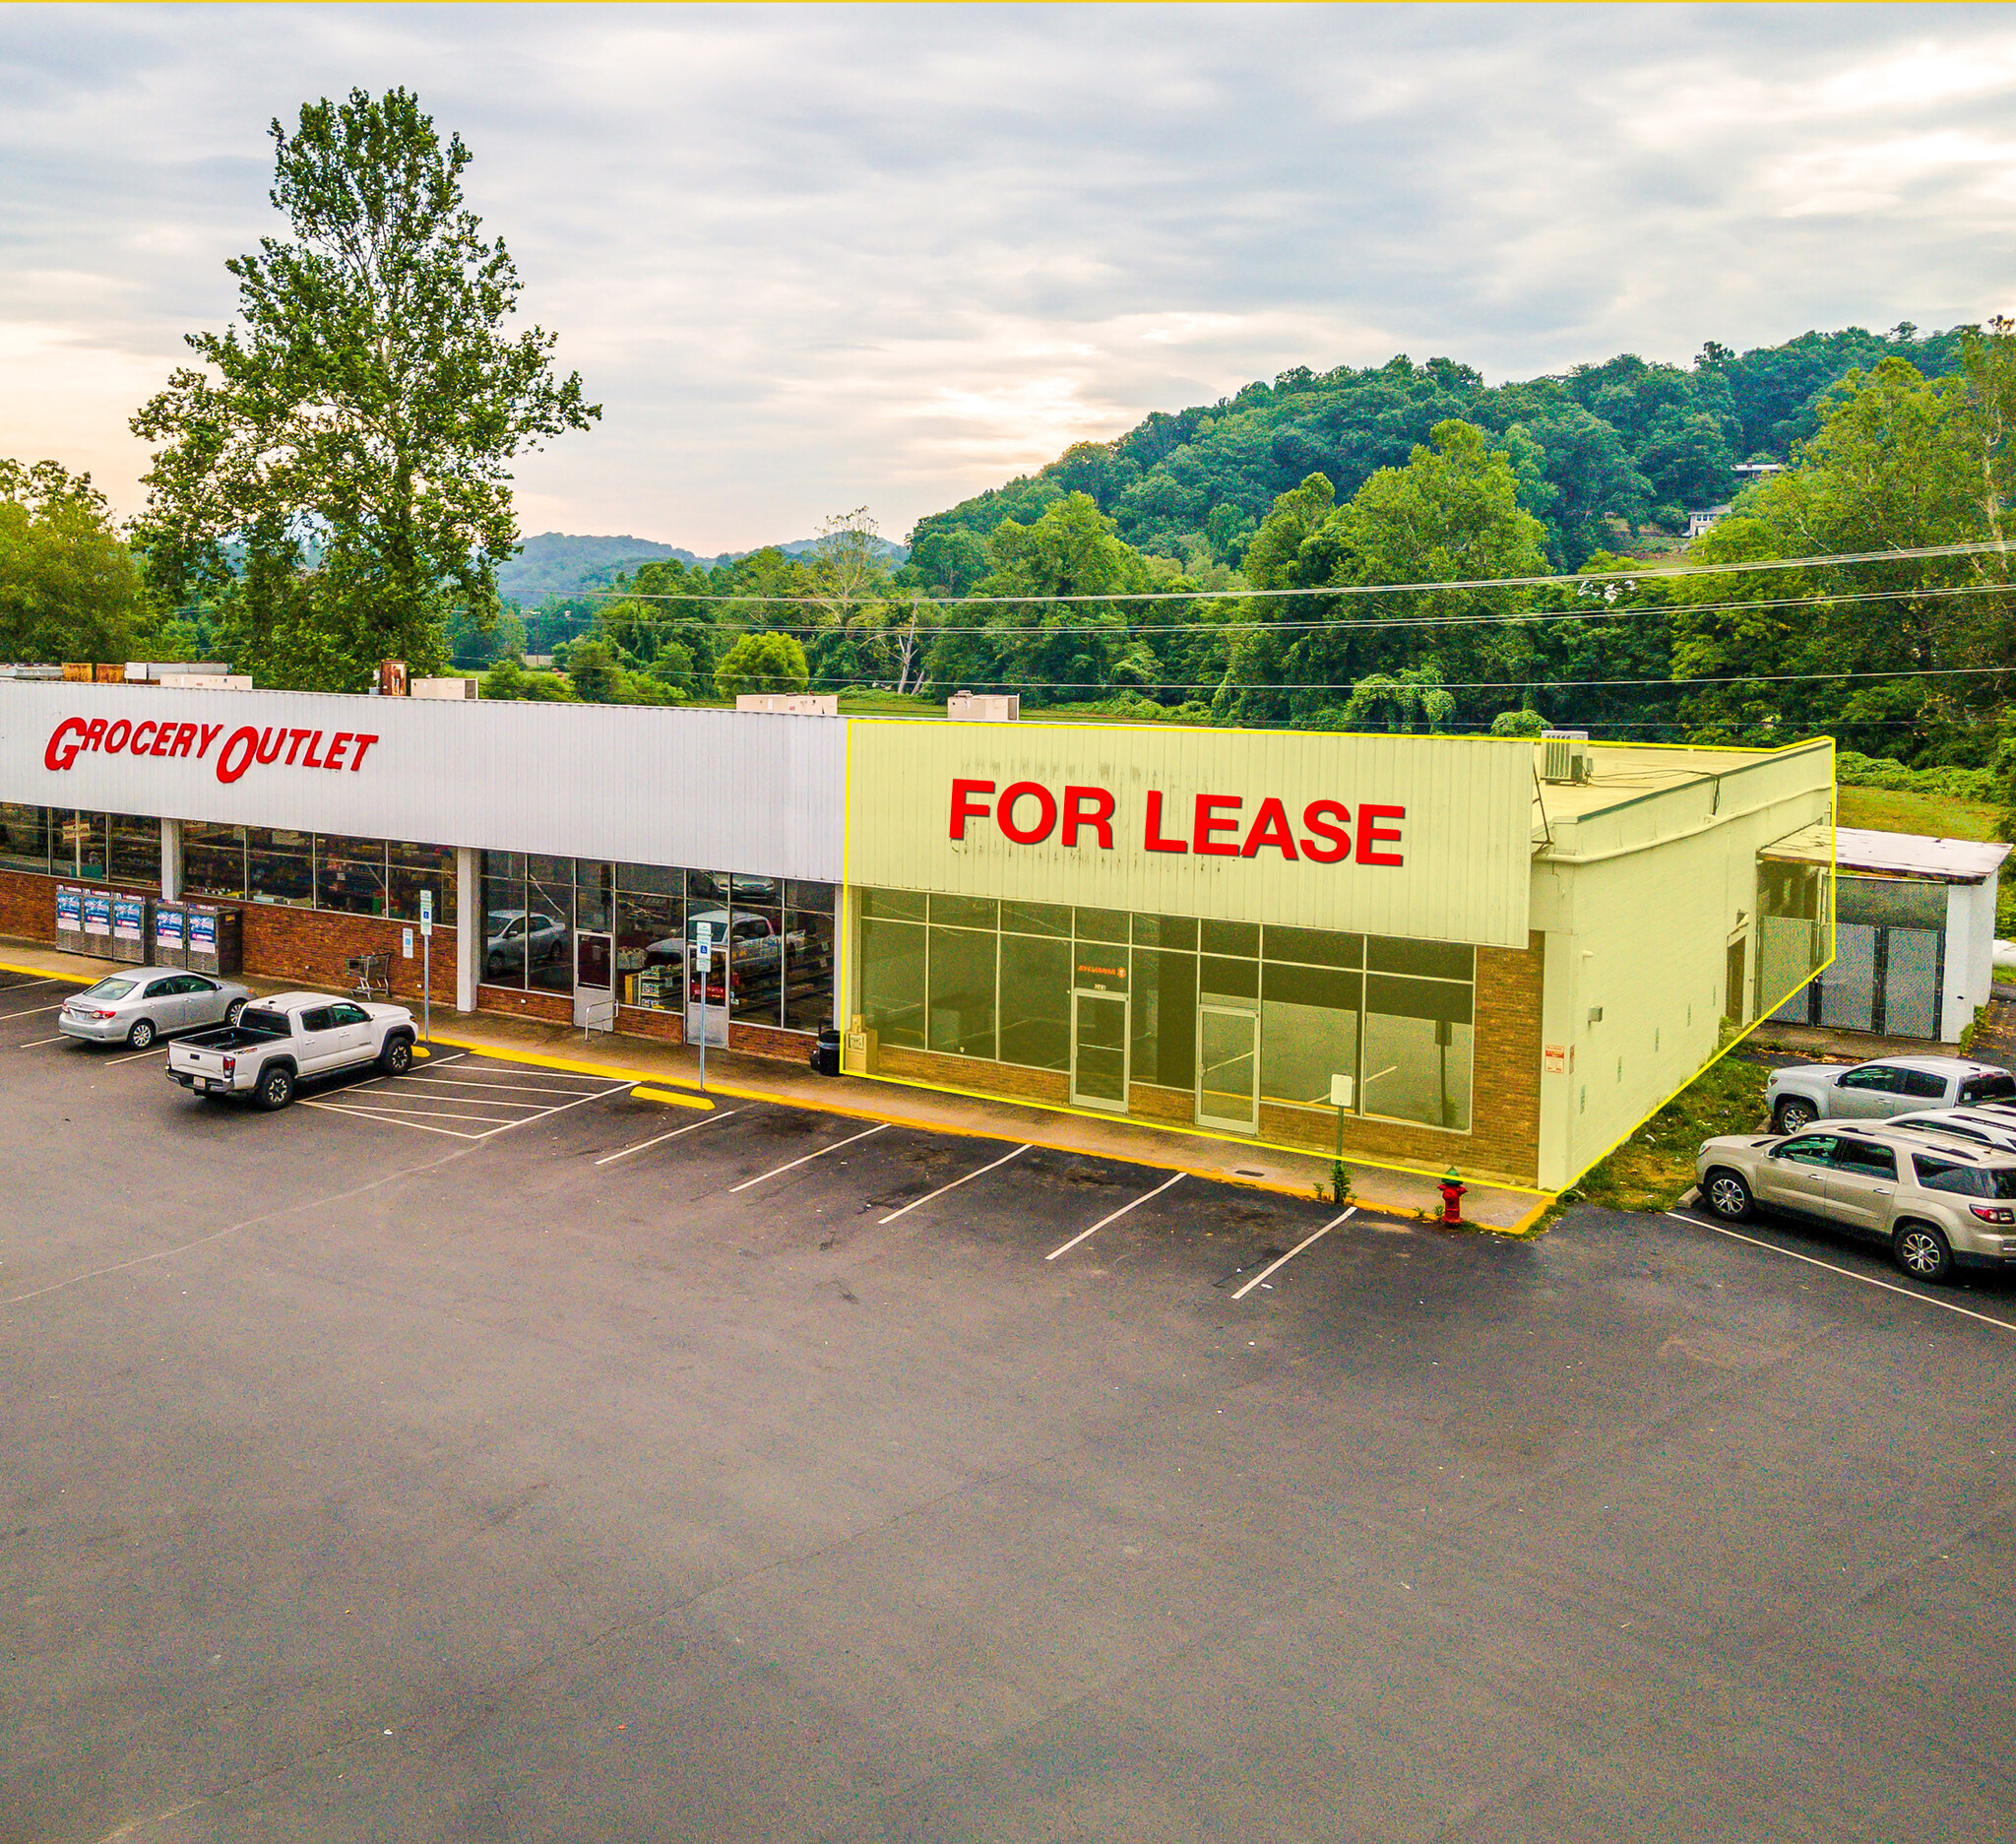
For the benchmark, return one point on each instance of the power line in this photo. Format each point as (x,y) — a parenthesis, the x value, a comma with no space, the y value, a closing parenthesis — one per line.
(1465,684)
(1634,574)
(1609,613)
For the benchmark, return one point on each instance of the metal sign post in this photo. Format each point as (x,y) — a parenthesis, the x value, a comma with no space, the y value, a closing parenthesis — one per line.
(427,967)
(702,961)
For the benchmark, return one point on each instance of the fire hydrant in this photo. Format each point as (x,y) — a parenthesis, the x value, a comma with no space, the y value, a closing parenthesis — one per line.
(1452,1199)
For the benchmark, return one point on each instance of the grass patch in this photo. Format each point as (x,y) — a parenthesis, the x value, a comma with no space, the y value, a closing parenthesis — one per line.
(1651,1169)
(1933,816)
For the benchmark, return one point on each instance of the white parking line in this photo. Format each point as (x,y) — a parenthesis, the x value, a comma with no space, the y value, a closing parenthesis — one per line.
(386,1105)
(35,1011)
(1114,1218)
(36,1044)
(1294,1252)
(391,1112)
(420,1126)
(22,985)
(160,1047)
(952,1186)
(779,1170)
(1867,1280)
(644,1146)
(458,1082)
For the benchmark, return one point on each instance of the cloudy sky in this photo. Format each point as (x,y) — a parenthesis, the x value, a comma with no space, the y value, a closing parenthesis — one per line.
(812,258)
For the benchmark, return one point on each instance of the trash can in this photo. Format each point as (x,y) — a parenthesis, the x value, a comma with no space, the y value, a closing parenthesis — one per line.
(826,1052)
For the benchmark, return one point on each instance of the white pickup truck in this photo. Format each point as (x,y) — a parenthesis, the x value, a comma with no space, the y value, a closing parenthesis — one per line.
(290,1039)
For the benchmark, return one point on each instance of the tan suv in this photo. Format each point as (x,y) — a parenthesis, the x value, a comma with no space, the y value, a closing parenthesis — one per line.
(1936,1201)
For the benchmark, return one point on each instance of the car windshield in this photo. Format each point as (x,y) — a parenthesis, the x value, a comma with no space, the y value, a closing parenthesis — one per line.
(1997,1088)
(107,989)
(264,1024)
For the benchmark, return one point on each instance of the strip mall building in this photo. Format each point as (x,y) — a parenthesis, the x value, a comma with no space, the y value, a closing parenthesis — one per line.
(1469,952)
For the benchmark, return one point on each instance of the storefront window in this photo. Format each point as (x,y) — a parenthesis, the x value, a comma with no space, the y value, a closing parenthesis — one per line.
(279,866)
(892,980)
(212,860)
(756,960)
(504,918)
(1309,1031)
(350,875)
(1418,1039)
(961,989)
(594,896)
(135,843)
(549,949)
(650,921)
(1035,1001)
(412,868)
(808,963)
(25,838)
(1165,1017)
(966,976)
(88,834)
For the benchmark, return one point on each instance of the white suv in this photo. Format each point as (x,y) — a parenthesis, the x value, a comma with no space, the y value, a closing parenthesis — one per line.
(1803,1093)
(1934,1200)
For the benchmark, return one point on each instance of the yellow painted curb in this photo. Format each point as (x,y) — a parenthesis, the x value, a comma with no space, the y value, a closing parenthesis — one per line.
(50,973)
(642,1094)
(512,1054)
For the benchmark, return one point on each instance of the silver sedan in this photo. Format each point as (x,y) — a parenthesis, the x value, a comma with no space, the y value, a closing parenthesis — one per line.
(135,1008)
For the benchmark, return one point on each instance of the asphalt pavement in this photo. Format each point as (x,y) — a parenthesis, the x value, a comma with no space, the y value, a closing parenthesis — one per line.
(595,1469)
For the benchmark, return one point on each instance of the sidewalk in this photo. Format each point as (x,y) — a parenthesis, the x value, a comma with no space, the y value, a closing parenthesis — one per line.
(758,1078)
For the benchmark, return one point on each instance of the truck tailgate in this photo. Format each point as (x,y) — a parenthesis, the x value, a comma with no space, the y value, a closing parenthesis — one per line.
(193,1059)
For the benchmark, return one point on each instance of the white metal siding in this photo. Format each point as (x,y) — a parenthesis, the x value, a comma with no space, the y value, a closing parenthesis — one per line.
(714,789)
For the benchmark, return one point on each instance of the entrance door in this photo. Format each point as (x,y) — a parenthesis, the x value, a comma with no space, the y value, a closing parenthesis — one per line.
(1099,1052)
(1736,999)
(1228,1070)
(595,980)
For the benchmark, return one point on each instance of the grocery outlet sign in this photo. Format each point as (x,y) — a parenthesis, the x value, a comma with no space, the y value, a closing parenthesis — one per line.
(247,745)
(1420,836)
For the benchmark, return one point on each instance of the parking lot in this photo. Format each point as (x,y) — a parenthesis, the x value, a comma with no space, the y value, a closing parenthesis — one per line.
(489,1453)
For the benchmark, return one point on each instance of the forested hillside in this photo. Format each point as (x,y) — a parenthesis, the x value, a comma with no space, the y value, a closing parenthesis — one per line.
(1624,439)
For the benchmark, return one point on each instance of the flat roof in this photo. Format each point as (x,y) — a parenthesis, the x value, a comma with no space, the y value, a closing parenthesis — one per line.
(1906,854)
(1621,773)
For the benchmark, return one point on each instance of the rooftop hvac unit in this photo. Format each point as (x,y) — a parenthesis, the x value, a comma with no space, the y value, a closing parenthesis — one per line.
(1565,755)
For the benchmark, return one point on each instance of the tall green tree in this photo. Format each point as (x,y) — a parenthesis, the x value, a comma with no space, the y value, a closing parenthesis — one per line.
(1451,515)
(69,588)
(1058,649)
(762,663)
(336,470)
(1899,461)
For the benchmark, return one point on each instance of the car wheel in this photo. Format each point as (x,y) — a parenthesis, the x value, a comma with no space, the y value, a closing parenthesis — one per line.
(1922,1253)
(1726,1195)
(397,1057)
(1792,1116)
(141,1036)
(276,1089)
(233,1011)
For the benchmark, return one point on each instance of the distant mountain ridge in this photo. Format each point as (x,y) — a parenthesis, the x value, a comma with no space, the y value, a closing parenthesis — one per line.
(561,563)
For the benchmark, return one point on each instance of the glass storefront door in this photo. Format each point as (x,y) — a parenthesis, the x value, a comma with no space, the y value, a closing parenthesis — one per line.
(1228,1070)
(595,980)
(1099,1052)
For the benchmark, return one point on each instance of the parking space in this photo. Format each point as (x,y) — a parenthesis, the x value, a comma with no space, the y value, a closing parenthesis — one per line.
(462,1097)
(491,1452)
